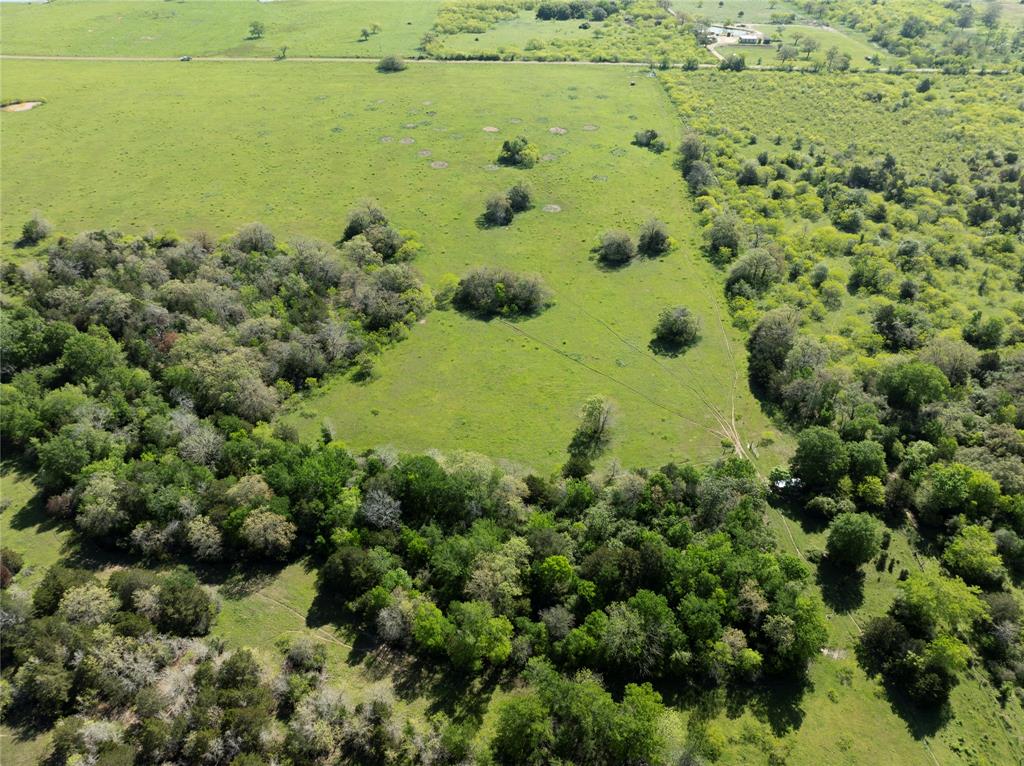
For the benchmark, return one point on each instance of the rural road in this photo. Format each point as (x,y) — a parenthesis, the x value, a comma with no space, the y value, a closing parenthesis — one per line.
(354,60)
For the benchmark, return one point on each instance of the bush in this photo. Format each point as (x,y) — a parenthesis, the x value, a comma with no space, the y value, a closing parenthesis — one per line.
(391,64)
(616,248)
(35,230)
(649,139)
(498,211)
(254,238)
(518,152)
(364,216)
(520,197)
(489,291)
(677,329)
(653,239)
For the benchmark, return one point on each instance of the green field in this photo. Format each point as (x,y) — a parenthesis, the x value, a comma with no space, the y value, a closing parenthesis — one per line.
(308,145)
(214,27)
(855,46)
(737,11)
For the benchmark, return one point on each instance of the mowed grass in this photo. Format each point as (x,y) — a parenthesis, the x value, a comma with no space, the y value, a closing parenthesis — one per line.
(296,145)
(214,27)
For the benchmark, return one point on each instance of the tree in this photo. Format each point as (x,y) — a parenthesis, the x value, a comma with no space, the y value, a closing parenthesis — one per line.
(733,63)
(700,177)
(574,720)
(911,385)
(616,248)
(268,534)
(787,53)
(768,346)
(972,556)
(520,197)
(808,46)
(518,152)
(676,329)
(488,291)
(390,64)
(836,61)
(431,630)
(186,609)
(653,239)
(35,230)
(87,605)
(990,16)
(478,635)
(723,237)
(593,433)
(256,30)
(498,211)
(854,538)
(254,238)
(820,461)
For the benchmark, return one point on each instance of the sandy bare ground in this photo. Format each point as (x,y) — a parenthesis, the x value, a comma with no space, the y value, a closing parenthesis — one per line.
(22,106)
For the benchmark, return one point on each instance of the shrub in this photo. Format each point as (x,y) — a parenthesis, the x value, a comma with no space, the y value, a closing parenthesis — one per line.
(368,213)
(490,291)
(677,329)
(254,238)
(498,211)
(391,64)
(518,152)
(649,139)
(616,248)
(35,230)
(520,197)
(653,239)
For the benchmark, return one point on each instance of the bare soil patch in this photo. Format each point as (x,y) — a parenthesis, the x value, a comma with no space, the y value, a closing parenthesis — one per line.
(22,106)
(438,164)
(552,209)
(548,158)
(590,128)
(424,152)
(490,129)
(558,131)
(386,139)
(407,140)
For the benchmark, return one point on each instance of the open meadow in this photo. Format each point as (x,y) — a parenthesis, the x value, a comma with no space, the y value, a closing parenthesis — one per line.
(310,140)
(215,27)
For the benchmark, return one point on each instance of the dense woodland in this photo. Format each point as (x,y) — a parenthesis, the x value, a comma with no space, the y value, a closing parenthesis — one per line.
(857,277)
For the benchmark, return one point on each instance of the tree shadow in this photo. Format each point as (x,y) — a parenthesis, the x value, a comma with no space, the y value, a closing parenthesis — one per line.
(671,349)
(842,588)
(921,721)
(484,224)
(775,700)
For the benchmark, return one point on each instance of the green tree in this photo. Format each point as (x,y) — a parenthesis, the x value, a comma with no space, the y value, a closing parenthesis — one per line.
(854,538)
(478,635)
(972,556)
(820,461)
(256,30)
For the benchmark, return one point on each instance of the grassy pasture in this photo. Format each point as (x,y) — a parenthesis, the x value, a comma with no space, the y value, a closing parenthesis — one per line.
(754,11)
(214,27)
(306,144)
(848,42)
(517,33)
